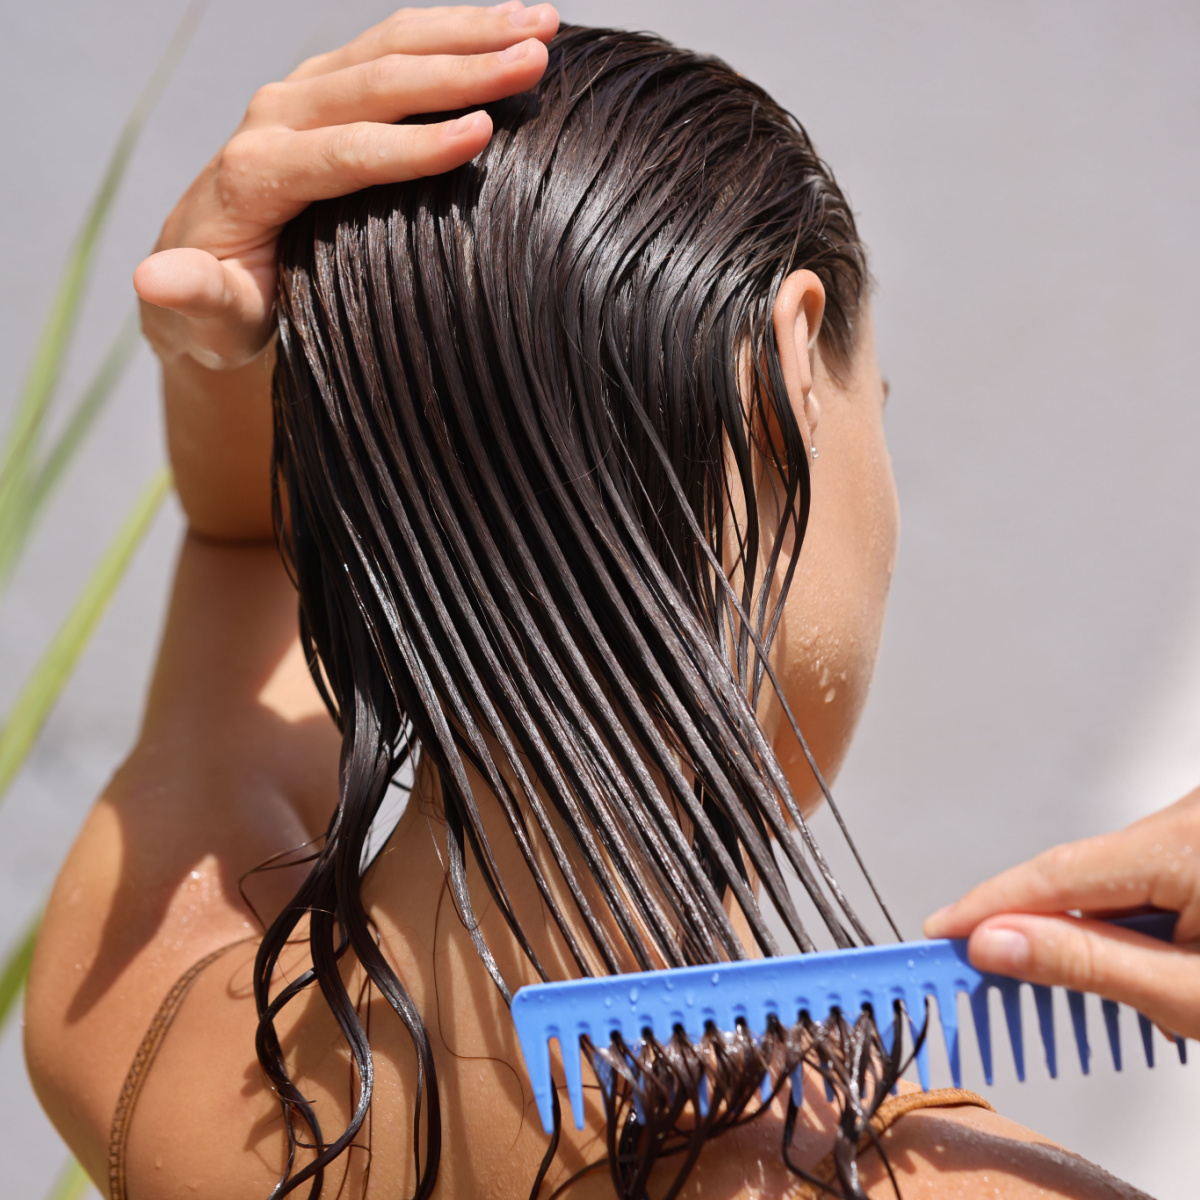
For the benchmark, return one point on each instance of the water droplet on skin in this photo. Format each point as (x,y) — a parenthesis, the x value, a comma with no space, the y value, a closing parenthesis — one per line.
(829,695)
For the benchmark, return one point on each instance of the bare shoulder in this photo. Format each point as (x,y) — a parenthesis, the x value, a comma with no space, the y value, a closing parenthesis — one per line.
(204,1122)
(970,1151)
(235,765)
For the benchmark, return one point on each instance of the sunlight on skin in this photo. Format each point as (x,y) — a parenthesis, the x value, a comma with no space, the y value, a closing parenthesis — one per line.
(289,692)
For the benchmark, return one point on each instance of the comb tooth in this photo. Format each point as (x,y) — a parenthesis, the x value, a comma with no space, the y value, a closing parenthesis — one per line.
(797,1078)
(1043,998)
(888,1032)
(923,1063)
(1181,1046)
(572,1057)
(892,1030)
(983,1029)
(828,1086)
(767,1085)
(922,1051)
(1147,1038)
(866,1000)
(702,1095)
(1114,1031)
(948,1015)
(541,1080)
(904,1021)
(1079,1021)
(1010,992)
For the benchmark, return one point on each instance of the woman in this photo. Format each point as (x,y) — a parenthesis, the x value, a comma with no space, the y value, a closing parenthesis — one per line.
(542,437)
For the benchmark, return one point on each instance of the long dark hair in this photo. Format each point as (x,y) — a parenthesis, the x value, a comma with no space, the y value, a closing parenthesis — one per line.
(513,404)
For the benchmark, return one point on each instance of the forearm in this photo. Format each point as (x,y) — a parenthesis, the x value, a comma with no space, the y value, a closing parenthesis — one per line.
(219,439)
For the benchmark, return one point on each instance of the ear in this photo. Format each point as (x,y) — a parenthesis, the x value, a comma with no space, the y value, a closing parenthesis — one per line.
(796,316)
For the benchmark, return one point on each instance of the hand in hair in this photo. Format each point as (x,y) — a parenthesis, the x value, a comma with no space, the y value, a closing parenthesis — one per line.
(1019,922)
(326,130)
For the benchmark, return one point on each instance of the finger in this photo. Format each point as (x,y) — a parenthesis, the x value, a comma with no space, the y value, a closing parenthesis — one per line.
(457,30)
(1161,981)
(187,281)
(270,175)
(217,312)
(386,89)
(1133,867)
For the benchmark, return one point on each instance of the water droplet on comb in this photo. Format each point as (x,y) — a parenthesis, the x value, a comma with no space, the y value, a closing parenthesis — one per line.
(716,978)
(608,1002)
(633,995)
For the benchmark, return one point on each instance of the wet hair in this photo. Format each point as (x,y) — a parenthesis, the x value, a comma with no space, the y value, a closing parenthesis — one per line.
(514,406)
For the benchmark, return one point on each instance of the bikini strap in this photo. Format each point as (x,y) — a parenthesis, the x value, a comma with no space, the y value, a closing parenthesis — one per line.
(143,1060)
(888,1113)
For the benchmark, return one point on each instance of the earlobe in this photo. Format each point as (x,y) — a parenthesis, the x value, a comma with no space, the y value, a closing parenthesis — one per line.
(796,316)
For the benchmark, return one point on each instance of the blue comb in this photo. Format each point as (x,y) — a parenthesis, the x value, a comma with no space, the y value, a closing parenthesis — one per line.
(752,991)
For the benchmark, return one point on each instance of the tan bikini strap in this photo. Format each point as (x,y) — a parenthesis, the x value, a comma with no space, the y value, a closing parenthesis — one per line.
(888,1113)
(143,1060)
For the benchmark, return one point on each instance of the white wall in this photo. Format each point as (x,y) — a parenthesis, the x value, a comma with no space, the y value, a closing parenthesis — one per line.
(1028,179)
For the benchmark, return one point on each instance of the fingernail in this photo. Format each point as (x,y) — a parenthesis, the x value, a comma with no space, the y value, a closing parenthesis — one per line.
(1005,949)
(513,53)
(462,125)
(524,17)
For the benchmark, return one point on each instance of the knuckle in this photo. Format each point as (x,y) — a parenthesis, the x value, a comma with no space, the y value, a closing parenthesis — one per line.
(266,103)
(314,65)
(461,69)
(1061,954)
(236,162)
(1084,961)
(350,148)
(401,19)
(1056,865)
(379,75)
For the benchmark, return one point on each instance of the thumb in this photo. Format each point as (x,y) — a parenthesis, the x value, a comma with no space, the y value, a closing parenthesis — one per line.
(187,281)
(217,312)
(1161,981)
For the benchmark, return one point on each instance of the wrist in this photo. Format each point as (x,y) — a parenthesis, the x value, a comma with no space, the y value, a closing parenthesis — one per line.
(219,432)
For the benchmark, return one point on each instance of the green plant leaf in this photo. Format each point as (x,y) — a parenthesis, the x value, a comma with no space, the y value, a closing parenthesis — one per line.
(40,691)
(17,458)
(71,1184)
(21,517)
(16,970)
(108,374)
